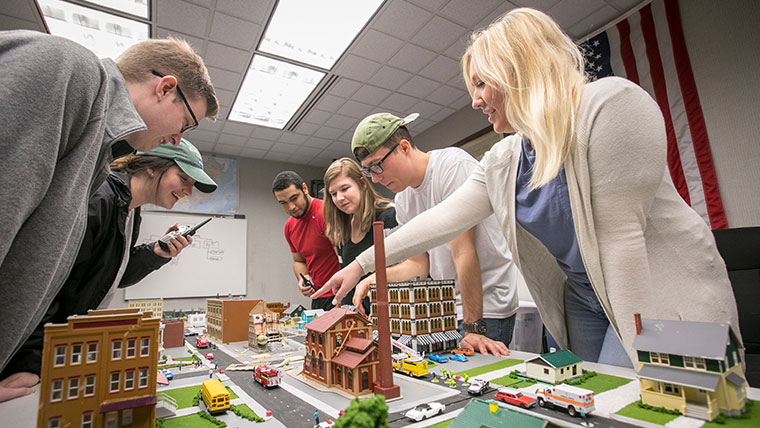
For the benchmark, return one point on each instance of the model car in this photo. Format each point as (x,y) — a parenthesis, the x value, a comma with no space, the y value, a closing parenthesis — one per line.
(201,342)
(478,387)
(210,356)
(514,397)
(458,357)
(325,424)
(169,375)
(463,351)
(190,333)
(425,411)
(438,358)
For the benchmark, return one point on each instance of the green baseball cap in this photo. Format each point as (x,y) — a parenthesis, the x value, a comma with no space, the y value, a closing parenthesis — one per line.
(375,130)
(189,159)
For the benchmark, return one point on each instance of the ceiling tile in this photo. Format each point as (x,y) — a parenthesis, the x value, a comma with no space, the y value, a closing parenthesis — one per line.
(341,121)
(306,128)
(198,44)
(457,49)
(260,144)
(232,140)
(377,46)
(225,149)
(266,133)
(543,5)
(496,13)
(593,22)
(401,19)
(419,87)
(355,109)
(255,11)
(316,142)
(224,96)
(227,58)
(465,100)
(421,125)
(445,95)
(276,156)
(253,153)
(237,128)
(204,147)
(176,14)
(430,4)
(441,69)
(624,5)
(569,12)
(300,158)
(328,132)
(438,34)
(292,138)
(224,79)
(284,148)
(345,87)
(356,67)
(22,9)
(442,114)
(233,31)
(201,135)
(317,116)
(371,94)
(469,12)
(412,58)
(390,78)
(207,125)
(330,103)
(425,109)
(399,103)
(308,151)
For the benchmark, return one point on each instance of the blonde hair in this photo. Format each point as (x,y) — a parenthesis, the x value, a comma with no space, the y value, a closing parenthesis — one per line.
(170,57)
(338,223)
(526,56)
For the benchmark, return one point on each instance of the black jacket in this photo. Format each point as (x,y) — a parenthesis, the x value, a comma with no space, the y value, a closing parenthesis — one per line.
(96,266)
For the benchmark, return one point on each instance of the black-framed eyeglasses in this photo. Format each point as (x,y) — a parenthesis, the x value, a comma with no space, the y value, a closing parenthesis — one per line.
(187,128)
(377,167)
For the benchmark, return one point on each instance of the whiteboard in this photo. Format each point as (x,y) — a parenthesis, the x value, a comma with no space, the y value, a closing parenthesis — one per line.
(213,264)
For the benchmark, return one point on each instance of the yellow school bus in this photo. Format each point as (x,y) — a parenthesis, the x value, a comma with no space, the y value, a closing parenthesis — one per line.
(216,396)
(412,366)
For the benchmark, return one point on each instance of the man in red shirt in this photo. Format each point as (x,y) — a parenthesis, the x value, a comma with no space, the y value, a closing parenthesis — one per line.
(313,254)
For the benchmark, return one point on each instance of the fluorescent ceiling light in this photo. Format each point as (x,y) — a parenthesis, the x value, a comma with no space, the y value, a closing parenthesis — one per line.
(316,32)
(273,91)
(105,34)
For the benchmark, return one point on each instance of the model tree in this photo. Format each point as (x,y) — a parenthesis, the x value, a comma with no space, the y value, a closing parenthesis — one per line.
(368,413)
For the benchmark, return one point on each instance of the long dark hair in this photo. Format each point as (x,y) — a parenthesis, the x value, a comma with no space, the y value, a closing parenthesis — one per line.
(136,164)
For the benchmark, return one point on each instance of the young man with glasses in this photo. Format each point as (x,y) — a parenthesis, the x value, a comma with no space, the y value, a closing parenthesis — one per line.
(478,260)
(64,112)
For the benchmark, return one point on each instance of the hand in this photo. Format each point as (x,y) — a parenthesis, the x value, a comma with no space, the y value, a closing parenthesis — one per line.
(362,290)
(305,290)
(483,344)
(176,245)
(17,385)
(342,282)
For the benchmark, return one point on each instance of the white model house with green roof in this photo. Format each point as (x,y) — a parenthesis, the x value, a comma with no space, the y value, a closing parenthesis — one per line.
(554,367)
(693,367)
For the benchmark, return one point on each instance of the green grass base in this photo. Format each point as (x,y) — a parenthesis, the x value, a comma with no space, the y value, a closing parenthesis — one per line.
(750,419)
(443,424)
(603,382)
(508,362)
(189,421)
(634,411)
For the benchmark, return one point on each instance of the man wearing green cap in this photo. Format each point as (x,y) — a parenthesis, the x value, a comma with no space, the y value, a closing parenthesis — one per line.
(110,258)
(478,260)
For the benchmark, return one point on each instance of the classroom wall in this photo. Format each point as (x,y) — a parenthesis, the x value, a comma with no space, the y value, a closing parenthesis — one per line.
(722,39)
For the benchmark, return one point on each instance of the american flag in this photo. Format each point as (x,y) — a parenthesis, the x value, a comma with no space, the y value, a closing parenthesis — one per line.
(648,48)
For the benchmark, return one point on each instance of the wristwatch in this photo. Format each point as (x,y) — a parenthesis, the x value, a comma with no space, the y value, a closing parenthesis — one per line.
(477,327)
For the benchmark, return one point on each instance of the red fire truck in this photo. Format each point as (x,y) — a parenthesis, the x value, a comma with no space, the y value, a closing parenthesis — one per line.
(266,376)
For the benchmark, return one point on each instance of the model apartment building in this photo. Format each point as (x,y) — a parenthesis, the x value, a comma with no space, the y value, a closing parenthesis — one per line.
(227,319)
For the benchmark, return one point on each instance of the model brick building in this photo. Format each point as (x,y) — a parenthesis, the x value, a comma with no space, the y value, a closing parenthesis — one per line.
(262,321)
(174,333)
(422,314)
(692,367)
(227,319)
(99,370)
(149,305)
(340,352)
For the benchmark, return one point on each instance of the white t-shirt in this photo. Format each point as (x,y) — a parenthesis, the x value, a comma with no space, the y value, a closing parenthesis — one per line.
(447,170)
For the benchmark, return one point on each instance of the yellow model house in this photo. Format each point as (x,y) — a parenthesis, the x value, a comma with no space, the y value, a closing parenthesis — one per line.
(692,367)
(554,367)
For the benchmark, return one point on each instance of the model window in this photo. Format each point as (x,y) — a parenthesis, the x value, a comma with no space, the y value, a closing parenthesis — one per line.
(92,352)
(56,391)
(321,339)
(659,358)
(546,371)
(115,380)
(350,377)
(76,353)
(131,347)
(669,388)
(116,349)
(694,363)
(142,380)
(73,388)
(338,340)
(129,379)
(89,385)
(112,420)
(145,346)
(126,417)
(60,356)
(54,423)
(87,420)
(365,380)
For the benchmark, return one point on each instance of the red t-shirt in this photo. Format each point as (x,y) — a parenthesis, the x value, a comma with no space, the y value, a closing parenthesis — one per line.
(306,236)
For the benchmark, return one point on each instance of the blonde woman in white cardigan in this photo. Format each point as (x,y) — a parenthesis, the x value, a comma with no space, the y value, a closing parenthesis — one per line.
(582,193)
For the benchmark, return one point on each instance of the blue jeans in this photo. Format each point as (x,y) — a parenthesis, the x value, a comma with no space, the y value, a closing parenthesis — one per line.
(498,329)
(590,335)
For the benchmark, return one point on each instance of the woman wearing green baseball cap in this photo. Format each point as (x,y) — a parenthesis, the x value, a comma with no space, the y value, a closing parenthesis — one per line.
(107,260)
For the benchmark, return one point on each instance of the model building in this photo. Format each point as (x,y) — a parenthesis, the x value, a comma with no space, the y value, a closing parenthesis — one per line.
(263,325)
(227,319)
(693,367)
(99,370)
(554,367)
(422,314)
(340,352)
